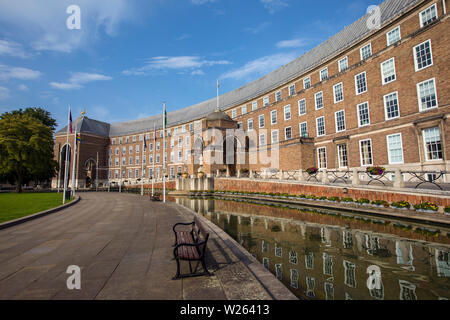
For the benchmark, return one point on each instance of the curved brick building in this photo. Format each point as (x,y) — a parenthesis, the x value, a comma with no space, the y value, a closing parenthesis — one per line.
(376,93)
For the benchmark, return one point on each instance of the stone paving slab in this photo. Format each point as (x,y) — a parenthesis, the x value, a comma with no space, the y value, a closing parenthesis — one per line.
(123,245)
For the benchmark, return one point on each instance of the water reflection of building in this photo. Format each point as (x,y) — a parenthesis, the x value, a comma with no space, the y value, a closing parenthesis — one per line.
(442,263)
(320,261)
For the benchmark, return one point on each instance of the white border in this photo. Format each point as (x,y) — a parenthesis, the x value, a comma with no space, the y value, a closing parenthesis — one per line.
(419,98)
(336,122)
(360,152)
(339,63)
(290,112)
(298,103)
(389,151)
(356,83)
(383,82)
(360,51)
(334,92)
(416,67)
(318,158)
(420,13)
(385,107)
(317,127)
(387,35)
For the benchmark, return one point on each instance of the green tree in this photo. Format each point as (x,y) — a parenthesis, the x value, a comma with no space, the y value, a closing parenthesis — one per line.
(26,149)
(38,113)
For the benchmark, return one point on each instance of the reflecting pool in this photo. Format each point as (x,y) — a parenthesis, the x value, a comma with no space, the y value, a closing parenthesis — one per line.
(337,255)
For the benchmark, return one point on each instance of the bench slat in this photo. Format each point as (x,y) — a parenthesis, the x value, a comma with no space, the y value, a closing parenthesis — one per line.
(190,253)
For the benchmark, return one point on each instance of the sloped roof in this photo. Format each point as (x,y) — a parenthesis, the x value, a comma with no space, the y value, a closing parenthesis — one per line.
(87,125)
(390,9)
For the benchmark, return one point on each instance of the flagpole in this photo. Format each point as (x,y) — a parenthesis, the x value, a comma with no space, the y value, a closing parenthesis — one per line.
(67,155)
(164,153)
(59,170)
(96,175)
(153,158)
(74,157)
(120,174)
(142,170)
(217,95)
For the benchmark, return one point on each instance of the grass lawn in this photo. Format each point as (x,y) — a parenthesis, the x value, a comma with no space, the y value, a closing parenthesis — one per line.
(17,205)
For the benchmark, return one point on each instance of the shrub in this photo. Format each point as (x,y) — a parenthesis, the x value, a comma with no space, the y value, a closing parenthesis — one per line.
(346,200)
(311,197)
(362,200)
(401,204)
(322,198)
(334,199)
(301,196)
(380,203)
(244,170)
(447,209)
(427,205)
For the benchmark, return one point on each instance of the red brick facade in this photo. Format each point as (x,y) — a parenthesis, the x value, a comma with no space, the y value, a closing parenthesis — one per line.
(392,138)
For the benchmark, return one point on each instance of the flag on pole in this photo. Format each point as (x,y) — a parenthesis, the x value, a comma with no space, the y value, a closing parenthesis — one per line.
(145,143)
(165,117)
(78,138)
(218,85)
(70,121)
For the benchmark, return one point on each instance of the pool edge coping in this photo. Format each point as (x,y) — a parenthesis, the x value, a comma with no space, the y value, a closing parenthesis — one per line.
(274,287)
(408,216)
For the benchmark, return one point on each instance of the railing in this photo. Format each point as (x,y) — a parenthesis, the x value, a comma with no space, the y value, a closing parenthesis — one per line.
(433,177)
(424,179)
(388,178)
(337,176)
(290,175)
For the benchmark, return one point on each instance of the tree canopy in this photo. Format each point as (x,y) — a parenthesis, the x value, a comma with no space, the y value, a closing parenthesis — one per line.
(38,113)
(26,146)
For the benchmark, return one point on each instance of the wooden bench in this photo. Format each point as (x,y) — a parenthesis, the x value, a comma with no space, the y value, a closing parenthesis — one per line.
(155,197)
(190,245)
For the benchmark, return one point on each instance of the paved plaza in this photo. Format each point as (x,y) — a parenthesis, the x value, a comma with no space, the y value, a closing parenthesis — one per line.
(123,245)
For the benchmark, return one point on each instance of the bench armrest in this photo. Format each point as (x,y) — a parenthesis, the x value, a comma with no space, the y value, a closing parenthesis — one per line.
(182,224)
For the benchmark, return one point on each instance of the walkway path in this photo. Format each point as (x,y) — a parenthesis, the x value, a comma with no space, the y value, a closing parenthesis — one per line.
(123,245)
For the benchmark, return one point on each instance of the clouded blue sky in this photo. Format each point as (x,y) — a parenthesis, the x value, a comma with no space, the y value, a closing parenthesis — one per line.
(130,55)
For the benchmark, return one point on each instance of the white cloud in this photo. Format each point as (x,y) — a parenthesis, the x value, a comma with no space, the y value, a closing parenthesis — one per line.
(259,28)
(65,86)
(4,93)
(23,87)
(77,80)
(8,72)
(81,77)
(43,26)
(200,2)
(183,37)
(260,66)
(293,43)
(13,49)
(174,63)
(274,5)
(197,73)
